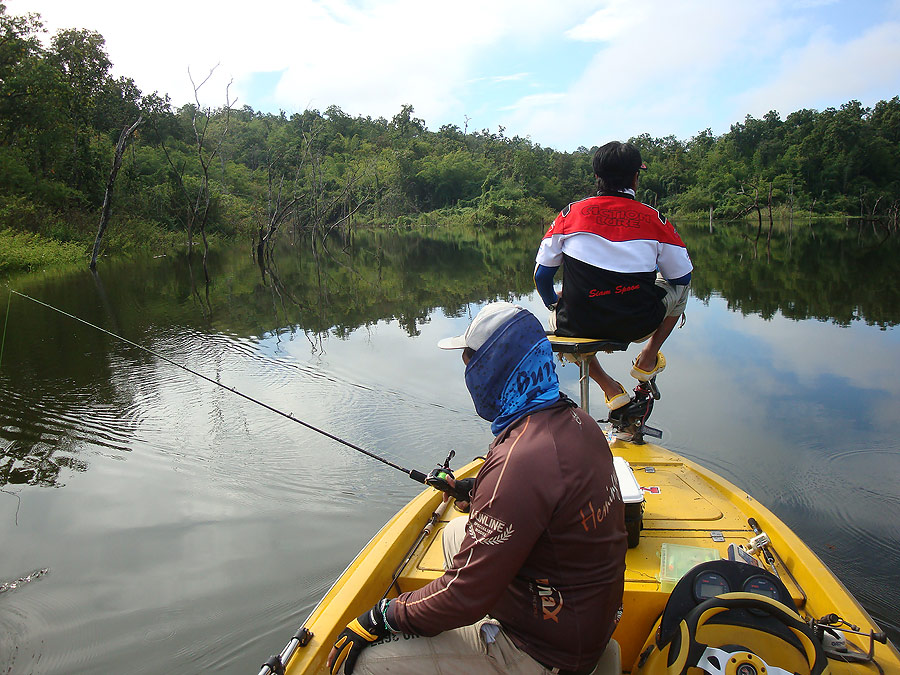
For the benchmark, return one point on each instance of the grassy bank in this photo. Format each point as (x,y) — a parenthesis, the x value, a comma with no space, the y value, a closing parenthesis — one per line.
(33,238)
(780,214)
(49,240)
(28,252)
(492,214)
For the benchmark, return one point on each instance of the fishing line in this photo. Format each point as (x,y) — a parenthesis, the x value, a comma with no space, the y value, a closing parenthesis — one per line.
(412,473)
(5,322)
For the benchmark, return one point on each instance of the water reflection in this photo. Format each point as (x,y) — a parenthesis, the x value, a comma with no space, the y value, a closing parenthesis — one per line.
(822,271)
(782,381)
(356,280)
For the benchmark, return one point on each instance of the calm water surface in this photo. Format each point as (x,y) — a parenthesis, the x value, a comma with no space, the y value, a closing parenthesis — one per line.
(187,529)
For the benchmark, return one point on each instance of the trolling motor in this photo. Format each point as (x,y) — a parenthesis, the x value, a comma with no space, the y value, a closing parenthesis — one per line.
(438,480)
(631,419)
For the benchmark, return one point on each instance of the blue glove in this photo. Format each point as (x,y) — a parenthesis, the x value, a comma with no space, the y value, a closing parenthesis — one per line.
(359,634)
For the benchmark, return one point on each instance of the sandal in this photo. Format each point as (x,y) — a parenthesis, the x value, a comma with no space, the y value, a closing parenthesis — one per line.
(646,376)
(618,400)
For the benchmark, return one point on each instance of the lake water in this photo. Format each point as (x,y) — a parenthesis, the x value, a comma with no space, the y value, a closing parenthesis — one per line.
(187,529)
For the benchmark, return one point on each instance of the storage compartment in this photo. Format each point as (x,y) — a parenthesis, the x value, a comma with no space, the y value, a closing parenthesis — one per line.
(676,560)
(633,498)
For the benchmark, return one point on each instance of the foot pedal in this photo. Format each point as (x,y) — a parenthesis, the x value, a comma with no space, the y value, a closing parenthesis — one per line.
(631,420)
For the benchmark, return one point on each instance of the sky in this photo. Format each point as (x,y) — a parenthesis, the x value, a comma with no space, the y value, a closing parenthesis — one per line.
(564,73)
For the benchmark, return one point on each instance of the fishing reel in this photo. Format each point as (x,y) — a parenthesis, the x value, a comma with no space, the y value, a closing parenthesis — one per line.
(631,419)
(438,476)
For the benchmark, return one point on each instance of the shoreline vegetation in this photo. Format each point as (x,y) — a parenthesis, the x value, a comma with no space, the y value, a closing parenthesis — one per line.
(89,162)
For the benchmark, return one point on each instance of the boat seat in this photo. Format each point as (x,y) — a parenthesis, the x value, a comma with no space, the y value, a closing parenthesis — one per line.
(579,345)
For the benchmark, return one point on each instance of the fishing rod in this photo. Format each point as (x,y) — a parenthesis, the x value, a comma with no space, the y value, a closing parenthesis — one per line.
(417,476)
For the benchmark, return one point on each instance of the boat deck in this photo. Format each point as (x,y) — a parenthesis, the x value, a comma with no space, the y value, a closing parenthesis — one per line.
(687,509)
(685,506)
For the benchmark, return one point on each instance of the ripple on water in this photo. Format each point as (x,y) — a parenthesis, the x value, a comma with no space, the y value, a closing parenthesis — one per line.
(846,506)
(27,625)
(214,430)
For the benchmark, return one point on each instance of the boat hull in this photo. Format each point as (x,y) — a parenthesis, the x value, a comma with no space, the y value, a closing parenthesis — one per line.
(686,506)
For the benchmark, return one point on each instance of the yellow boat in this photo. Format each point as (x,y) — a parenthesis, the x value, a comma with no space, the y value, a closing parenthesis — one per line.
(714,581)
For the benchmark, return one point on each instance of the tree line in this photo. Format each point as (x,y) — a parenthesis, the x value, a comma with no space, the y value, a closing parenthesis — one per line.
(229,171)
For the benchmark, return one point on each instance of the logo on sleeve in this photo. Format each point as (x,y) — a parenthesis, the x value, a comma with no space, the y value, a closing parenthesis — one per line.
(485,529)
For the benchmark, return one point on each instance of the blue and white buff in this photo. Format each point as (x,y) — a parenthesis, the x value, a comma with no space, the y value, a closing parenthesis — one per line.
(513,374)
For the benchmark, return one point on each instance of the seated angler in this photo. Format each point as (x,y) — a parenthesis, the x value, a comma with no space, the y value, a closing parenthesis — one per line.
(535,574)
(626,272)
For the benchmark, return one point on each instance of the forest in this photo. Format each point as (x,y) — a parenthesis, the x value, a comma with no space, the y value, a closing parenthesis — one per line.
(84,153)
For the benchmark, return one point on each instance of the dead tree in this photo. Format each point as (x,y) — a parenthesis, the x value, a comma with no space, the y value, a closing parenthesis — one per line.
(753,206)
(324,208)
(771,225)
(279,203)
(198,204)
(110,183)
(791,222)
(200,211)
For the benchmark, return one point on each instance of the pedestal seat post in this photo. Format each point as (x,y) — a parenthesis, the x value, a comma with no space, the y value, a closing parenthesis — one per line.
(581,350)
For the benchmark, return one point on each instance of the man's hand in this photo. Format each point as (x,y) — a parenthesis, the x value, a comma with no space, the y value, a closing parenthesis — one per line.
(359,634)
(460,487)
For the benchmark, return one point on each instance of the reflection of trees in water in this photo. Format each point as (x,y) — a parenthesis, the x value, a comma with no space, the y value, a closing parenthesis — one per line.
(59,386)
(835,275)
(64,386)
(35,464)
(357,279)
(44,428)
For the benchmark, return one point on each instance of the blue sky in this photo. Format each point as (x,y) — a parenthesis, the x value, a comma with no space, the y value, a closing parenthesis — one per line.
(564,73)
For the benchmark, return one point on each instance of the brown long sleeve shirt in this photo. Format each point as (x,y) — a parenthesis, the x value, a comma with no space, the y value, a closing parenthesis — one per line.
(544,551)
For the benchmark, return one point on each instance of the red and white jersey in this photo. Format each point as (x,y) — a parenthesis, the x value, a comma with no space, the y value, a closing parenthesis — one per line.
(617,234)
(610,248)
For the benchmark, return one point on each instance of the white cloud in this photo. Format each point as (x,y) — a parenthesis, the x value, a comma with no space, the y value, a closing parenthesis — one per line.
(811,4)
(369,57)
(617,19)
(535,101)
(677,68)
(574,71)
(515,77)
(822,71)
(655,77)
(391,53)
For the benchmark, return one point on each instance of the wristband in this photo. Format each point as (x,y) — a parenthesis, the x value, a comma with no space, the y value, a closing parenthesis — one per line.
(383,605)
